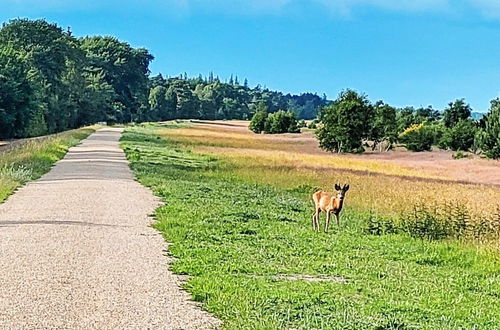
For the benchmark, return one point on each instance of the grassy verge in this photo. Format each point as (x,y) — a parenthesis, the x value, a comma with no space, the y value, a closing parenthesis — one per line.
(34,158)
(255,263)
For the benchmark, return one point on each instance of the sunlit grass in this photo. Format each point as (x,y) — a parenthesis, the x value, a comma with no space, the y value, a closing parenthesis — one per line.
(243,235)
(375,186)
(34,158)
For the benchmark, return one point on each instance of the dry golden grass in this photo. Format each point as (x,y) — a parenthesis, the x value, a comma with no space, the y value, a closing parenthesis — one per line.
(375,185)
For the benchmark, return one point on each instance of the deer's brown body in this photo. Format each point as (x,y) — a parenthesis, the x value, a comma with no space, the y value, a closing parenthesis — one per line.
(330,204)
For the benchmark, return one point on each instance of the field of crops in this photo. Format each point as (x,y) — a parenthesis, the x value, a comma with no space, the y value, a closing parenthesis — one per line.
(410,252)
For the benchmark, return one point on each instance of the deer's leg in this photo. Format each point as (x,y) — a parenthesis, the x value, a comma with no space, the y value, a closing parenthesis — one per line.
(337,215)
(328,213)
(316,220)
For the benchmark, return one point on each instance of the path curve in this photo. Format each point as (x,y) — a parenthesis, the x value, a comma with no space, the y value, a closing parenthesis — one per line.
(76,250)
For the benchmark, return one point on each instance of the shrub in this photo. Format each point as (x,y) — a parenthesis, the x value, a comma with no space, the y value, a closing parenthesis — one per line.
(312,125)
(419,137)
(425,224)
(459,137)
(258,122)
(281,122)
(460,154)
(488,139)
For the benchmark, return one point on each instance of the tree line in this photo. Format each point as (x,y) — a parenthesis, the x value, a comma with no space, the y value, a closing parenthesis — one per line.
(352,122)
(52,81)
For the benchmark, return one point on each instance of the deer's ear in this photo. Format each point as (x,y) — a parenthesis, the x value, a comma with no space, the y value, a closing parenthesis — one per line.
(337,186)
(346,188)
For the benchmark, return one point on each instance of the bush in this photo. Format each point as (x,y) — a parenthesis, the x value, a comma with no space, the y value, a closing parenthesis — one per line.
(459,137)
(258,122)
(313,124)
(281,122)
(460,154)
(488,139)
(419,137)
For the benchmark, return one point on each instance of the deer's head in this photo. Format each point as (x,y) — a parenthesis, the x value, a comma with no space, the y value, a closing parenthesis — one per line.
(341,191)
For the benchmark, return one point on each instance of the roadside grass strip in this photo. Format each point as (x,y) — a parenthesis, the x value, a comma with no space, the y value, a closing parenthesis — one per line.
(35,158)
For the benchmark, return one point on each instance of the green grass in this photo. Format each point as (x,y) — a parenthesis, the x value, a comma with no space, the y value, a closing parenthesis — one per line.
(35,158)
(236,240)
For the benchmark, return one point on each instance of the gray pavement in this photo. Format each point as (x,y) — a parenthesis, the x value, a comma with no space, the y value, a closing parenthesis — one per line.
(77,252)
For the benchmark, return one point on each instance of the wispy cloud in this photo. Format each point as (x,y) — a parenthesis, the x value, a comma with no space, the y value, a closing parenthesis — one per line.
(347,6)
(488,8)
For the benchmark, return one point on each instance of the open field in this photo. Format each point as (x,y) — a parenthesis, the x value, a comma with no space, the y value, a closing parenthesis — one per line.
(238,215)
(34,157)
(384,187)
(436,164)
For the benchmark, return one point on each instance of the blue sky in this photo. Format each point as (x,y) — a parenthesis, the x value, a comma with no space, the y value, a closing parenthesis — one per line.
(406,52)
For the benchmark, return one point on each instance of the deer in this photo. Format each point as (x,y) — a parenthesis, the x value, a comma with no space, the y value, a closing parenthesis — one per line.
(328,203)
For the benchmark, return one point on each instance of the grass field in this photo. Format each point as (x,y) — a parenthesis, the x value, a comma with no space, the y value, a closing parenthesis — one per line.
(34,158)
(240,227)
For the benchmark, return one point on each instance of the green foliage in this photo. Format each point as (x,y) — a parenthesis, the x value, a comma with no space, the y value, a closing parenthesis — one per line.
(235,239)
(313,125)
(346,123)
(459,137)
(460,154)
(489,137)
(37,125)
(281,122)
(50,81)
(456,112)
(259,119)
(210,98)
(418,137)
(384,125)
(273,123)
(409,116)
(124,68)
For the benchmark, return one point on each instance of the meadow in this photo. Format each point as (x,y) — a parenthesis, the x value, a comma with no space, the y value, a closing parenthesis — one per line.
(34,158)
(238,216)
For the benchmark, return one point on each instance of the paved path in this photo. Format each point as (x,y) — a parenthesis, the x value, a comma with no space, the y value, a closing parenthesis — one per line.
(76,250)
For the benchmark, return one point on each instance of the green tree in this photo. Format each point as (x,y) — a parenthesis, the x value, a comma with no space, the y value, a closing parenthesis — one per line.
(455,112)
(125,69)
(259,119)
(384,126)
(162,106)
(346,122)
(489,136)
(54,62)
(17,99)
(419,137)
(459,137)
(281,122)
